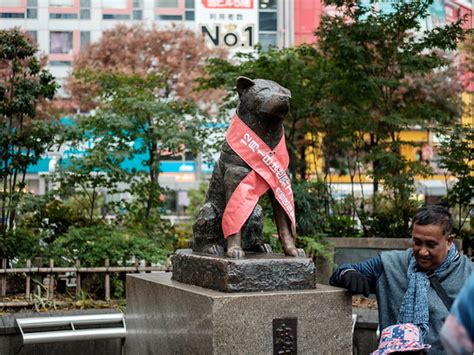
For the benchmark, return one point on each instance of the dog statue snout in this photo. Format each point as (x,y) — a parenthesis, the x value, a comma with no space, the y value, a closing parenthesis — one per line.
(277,105)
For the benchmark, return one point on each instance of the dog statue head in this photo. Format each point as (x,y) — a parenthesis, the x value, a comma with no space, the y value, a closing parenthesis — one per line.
(265,100)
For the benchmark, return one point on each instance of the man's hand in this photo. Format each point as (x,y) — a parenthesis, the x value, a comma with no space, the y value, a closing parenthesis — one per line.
(355,282)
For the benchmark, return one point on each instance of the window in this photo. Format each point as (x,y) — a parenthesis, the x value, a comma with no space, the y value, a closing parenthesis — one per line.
(169,17)
(189,15)
(63,16)
(115,17)
(85,10)
(32,9)
(267,39)
(60,42)
(189,11)
(31,13)
(60,63)
(268,21)
(12,15)
(85,39)
(137,14)
(268,4)
(85,14)
(168,4)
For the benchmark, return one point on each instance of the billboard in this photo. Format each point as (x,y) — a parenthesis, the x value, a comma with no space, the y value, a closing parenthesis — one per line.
(232,24)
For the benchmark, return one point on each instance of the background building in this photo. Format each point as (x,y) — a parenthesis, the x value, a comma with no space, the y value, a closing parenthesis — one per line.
(63,27)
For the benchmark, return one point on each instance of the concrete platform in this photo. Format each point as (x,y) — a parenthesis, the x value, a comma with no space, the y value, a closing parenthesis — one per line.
(169,317)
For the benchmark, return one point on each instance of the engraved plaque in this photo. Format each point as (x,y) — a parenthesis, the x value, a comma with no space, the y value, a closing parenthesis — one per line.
(285,336)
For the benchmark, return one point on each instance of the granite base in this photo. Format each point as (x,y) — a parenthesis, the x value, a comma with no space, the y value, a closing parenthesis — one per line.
(169,317)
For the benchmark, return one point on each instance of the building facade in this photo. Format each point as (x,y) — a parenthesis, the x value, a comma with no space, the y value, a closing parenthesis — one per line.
(63,27)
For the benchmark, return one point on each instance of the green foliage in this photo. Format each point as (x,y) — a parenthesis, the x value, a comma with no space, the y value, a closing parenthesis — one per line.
(92,245)
(24,134)
(315,247)
(135,119)
(457,156)
(387,221)
(312,204)
(270,234)
(48,216)
(24,244)
(342,225)
(197,198)
(118,287)
(51,228)
(377,98)
(380,80)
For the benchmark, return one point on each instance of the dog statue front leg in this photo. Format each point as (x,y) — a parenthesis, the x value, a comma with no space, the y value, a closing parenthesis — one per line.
(284,231)
(233,176)
(234,246)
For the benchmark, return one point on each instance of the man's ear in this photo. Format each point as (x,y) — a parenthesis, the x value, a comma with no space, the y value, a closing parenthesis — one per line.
(243,83)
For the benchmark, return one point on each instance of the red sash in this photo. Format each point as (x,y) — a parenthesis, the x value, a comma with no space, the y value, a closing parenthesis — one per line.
(268,171)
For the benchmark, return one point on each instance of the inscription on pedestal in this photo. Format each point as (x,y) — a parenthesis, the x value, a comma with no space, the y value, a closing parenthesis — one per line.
(285,336)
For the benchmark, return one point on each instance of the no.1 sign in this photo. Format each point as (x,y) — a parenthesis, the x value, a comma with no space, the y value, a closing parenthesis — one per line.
(218,35)
(228,23)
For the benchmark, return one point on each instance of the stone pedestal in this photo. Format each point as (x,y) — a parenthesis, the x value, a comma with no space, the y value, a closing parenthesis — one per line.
(169,317)
(255,272)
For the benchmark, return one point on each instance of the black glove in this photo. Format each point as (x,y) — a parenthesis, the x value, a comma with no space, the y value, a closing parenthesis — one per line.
(355,282)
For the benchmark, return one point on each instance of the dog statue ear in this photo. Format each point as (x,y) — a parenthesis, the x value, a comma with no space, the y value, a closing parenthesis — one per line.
(244,83)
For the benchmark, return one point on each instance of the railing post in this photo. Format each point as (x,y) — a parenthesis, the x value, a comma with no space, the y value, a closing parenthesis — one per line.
(107,281)
(28,281)
(78,278)
(4,278)
(38,279)
(51,280)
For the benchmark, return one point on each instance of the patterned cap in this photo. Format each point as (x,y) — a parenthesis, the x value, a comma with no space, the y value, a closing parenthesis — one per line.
(400,337)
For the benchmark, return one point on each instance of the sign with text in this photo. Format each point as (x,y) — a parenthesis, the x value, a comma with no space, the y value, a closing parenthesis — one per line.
(231,24)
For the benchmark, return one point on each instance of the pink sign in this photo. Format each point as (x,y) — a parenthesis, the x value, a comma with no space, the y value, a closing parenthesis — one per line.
(228,4)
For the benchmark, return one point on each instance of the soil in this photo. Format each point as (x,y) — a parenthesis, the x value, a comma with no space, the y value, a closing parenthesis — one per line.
(363,302)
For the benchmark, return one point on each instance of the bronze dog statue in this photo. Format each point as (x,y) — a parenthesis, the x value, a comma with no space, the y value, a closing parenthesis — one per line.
(263,105)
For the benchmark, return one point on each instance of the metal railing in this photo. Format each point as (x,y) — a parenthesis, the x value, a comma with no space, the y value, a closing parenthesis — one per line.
(40,330)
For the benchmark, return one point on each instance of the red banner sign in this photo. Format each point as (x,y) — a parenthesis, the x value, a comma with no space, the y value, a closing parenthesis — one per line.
(228,4)
(268,171)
